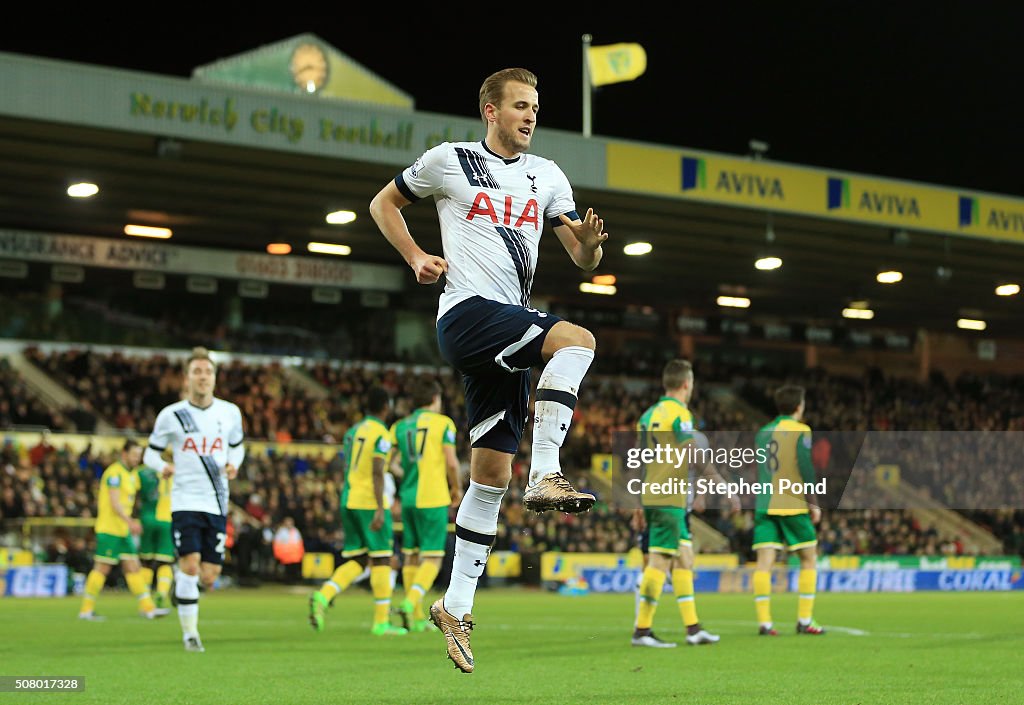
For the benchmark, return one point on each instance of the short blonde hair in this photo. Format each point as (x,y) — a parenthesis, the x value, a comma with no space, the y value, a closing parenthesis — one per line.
(493,88)
(200,353)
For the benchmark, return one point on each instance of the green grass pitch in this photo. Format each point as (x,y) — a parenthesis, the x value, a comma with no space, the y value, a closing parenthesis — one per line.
(530,647)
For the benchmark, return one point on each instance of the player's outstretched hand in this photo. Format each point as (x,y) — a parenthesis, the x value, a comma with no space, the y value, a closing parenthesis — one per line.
(589,232)
(231,471)
(638,522)
(815,511)
(428,268)
(378,520)
(700,502)
(168,470)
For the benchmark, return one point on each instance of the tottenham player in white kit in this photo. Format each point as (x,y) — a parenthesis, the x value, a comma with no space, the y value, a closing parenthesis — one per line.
(205,436)
(492,200)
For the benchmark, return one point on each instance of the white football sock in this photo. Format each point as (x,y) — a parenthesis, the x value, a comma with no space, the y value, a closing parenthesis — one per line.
(557,392)
(475,527)
(186,589)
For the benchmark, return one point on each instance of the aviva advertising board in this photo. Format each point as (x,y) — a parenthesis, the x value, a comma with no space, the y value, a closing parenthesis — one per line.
(767,185)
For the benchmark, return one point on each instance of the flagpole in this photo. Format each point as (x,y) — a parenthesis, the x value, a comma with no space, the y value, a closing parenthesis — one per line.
(587,90)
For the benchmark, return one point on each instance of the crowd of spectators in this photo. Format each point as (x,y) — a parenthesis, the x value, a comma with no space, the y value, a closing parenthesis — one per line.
(18,407)
(958,441)
(129,391)
(875,402)
(43,480)
(46,481)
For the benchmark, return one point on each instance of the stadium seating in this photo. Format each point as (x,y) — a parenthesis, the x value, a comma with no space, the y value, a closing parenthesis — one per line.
(127,389)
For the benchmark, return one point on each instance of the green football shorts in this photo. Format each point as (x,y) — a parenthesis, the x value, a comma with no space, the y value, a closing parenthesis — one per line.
(425,530)
(112,549)
(792,531)
(667,529)
(156,542)
(358,537)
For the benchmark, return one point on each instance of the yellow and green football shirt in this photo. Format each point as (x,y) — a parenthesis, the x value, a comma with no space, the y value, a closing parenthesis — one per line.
(115,477)
(787,448)
(154,495)
(370,439)
(420,439)
(667,423)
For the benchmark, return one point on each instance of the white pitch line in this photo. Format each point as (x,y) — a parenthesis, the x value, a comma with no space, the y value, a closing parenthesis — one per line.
(847,630)
(852,631)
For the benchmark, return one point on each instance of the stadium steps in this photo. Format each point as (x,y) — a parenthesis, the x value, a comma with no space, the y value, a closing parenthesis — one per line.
(948,523)
(748,416)
(927,511)
(296,377)
(706,538)
(49,391)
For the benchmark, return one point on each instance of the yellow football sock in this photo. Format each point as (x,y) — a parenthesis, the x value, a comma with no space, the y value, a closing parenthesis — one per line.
(342,578)
(651,585)
(93,586)
(424,580)
(682,585)
(147,576)
(762,595)
(164,577)
(806,584)
(409,579)
(141,591)
(380,584)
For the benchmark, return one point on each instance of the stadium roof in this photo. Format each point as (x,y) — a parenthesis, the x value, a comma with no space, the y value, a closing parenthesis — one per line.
(223,195)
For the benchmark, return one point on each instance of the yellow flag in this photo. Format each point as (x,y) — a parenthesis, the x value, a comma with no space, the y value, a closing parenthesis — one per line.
(601,467)
(887,475)
(613,63)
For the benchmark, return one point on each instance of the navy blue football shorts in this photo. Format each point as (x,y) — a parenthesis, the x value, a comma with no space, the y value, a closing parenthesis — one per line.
(200,532)
(494,346)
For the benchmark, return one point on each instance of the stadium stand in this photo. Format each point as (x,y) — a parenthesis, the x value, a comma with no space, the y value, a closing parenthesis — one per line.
(44,477)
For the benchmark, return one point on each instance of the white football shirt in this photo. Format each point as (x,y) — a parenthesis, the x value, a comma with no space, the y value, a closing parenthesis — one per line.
(492,212)
(203,442)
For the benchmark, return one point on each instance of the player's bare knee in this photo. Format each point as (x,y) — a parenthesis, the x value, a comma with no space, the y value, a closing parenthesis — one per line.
(490,467)
(576,336)
(660,561)
(584,338)
(189,565)
(492,477)
(208,576)
(564,334)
